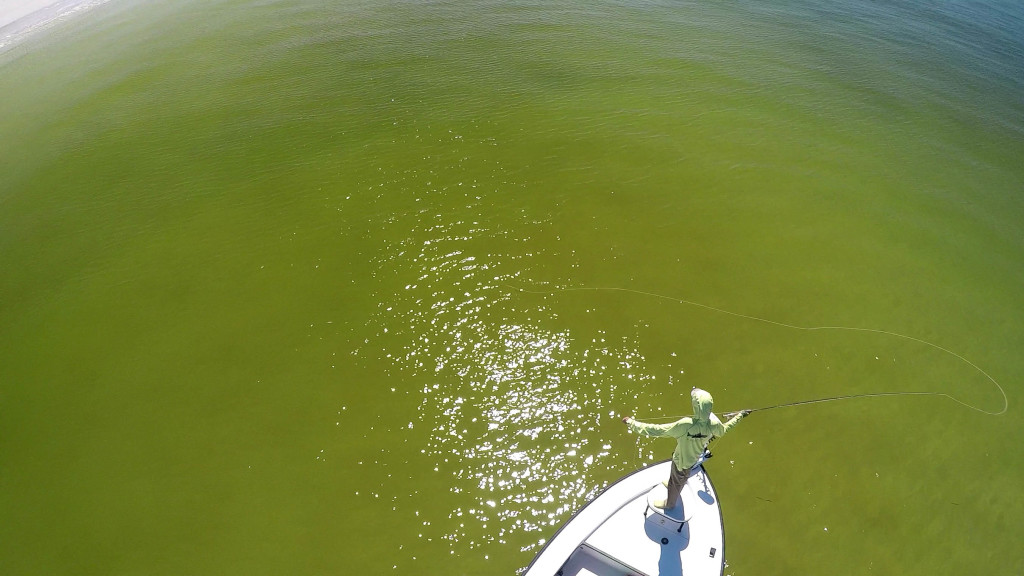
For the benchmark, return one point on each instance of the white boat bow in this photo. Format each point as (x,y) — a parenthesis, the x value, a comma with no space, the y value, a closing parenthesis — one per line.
(619,533)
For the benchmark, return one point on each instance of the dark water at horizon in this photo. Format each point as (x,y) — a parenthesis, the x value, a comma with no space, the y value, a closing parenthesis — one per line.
(282,284)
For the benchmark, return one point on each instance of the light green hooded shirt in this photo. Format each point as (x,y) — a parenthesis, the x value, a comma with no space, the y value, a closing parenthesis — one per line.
(692,433)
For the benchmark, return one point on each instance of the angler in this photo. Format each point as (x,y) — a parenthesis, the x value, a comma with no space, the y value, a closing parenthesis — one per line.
(692,435)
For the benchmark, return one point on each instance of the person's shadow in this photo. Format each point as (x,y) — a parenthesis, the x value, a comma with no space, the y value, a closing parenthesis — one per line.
(673,543)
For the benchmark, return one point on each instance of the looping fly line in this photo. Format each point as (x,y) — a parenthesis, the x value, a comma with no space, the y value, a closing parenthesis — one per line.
(1006,402)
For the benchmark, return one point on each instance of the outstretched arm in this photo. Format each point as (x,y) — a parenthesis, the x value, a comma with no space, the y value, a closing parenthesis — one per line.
(651,430)
(736,417)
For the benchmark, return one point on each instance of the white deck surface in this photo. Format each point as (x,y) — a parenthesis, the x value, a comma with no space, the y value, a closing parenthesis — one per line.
(613,536)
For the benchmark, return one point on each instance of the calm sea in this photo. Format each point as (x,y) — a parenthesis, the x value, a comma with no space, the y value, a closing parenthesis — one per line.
(361,287)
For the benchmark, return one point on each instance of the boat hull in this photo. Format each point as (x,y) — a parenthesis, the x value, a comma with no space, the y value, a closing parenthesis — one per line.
(619,533)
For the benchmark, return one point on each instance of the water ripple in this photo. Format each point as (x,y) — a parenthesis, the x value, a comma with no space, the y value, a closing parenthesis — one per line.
(512,398)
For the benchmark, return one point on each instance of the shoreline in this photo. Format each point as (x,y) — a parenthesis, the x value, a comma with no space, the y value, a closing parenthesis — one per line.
(19,19)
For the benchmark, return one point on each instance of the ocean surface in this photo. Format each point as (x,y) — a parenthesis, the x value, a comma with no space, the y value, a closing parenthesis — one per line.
(365,287)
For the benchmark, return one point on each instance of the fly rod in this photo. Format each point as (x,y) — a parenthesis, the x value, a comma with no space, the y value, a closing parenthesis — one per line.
(853,396)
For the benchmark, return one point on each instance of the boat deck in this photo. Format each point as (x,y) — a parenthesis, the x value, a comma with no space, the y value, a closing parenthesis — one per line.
(619,534)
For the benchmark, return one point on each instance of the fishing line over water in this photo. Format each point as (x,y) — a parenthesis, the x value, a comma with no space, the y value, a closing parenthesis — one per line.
(978,369)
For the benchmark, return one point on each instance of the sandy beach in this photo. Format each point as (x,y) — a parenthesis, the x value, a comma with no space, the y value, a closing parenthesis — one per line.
(11,11)
(18,17)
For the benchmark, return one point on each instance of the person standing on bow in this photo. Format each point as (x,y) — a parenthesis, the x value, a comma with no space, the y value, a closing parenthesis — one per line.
(692,435)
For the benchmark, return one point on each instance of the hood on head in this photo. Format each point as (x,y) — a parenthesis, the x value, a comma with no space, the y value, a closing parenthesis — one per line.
(702,403)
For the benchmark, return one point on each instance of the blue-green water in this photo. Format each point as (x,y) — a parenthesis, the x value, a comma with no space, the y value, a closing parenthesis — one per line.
(261,272)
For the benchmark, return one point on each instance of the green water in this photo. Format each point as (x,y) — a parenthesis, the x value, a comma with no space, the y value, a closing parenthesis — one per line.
(260,272)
